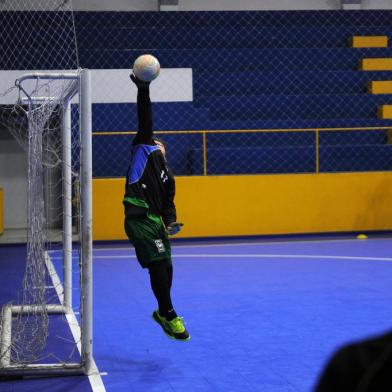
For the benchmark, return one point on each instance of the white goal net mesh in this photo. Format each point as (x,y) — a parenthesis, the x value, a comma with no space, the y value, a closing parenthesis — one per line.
(39,326)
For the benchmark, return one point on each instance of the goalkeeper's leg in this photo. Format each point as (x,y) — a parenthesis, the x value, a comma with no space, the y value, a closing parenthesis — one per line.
(161,274)
(161,284)
(170,275)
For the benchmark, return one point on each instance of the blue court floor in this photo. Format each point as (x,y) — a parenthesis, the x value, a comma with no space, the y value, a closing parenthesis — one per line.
(264,315)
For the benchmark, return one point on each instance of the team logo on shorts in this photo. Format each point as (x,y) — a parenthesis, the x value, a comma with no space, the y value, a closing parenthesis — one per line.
(160,246)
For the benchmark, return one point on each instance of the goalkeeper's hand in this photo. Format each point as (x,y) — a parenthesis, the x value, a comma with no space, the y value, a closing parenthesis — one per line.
(174,227)
(139,83)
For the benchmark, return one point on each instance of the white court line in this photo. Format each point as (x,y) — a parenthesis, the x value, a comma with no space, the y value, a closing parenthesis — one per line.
(256,256)
(293,242)
(94,378)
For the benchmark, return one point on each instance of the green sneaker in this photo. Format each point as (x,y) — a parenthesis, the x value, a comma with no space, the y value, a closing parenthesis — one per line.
(173,328)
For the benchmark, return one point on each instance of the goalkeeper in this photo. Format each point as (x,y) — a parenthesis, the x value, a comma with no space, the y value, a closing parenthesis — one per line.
(150,213)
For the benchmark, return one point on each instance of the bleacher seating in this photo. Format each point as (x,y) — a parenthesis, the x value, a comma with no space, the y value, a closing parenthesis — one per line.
(217,59)
(251,70)
(311,82)
(300,75)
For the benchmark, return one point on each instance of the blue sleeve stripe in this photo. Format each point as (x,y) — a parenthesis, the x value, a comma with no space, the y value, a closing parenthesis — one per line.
(140,154)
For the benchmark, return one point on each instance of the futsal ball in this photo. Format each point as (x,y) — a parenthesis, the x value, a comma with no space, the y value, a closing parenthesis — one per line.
(146,68)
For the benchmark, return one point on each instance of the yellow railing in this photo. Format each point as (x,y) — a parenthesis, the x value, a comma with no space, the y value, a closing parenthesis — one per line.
(205,133)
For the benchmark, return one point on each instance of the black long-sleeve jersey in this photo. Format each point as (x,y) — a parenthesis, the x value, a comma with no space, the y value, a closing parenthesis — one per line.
(150,185)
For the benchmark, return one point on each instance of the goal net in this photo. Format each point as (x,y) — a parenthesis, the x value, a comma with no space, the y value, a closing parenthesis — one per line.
(46,107)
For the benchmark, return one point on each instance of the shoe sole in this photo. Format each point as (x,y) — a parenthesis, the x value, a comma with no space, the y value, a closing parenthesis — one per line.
(157,320)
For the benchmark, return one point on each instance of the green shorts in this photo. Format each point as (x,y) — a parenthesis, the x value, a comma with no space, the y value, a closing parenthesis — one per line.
(149,237)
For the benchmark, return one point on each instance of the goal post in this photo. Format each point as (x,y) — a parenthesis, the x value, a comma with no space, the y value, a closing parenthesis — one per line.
(46,98)
(86,219)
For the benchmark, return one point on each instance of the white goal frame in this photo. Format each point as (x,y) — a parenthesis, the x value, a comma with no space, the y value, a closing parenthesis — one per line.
(82,85)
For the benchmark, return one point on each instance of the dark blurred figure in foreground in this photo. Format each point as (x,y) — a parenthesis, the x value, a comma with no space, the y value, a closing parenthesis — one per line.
(364,366)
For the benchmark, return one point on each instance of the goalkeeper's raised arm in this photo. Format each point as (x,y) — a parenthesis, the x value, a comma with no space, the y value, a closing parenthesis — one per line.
(144,112)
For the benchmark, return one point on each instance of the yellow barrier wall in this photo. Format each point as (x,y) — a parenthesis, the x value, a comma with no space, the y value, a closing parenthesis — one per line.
(1,212)
(261,204)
